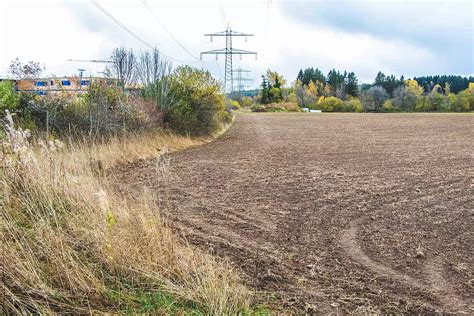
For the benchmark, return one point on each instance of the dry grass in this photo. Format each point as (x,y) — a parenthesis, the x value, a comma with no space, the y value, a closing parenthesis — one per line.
(69,245)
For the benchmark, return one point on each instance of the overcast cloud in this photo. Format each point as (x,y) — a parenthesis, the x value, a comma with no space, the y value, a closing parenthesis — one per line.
(399,37)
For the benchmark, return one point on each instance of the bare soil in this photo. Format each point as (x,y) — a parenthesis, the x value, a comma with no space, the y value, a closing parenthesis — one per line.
(341,213)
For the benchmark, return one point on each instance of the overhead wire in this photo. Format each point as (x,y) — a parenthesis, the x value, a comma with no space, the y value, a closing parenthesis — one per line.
(267,18)
(130,32)
(222,11)
(158,20)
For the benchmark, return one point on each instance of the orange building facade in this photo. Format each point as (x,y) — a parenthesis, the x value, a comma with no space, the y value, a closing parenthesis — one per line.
(45,86)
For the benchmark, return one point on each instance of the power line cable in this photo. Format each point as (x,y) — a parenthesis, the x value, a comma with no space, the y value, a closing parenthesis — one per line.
(222,11)
(138,38)
(267,18)
(145,3)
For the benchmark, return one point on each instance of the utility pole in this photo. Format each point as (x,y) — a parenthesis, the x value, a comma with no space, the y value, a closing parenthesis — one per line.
(81,73)
(241,80)
(228,51)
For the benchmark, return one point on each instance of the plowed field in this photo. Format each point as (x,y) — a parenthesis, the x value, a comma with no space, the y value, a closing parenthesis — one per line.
(319,213)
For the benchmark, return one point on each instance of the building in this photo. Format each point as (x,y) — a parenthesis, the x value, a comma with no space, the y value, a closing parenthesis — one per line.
(43,86)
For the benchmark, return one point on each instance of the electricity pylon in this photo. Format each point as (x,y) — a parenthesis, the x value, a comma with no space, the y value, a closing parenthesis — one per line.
(228,51)
(241,80)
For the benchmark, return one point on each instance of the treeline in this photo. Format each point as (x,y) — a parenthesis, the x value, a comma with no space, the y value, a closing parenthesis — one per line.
(185,99)
(455,84)
(335,83)
(340,91)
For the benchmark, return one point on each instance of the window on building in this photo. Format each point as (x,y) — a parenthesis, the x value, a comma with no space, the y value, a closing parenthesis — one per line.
(85,82)
(52,82)
(65,82)
(41,92)
(40,83)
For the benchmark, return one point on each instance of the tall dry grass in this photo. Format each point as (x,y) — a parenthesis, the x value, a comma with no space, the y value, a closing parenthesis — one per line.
(68,245)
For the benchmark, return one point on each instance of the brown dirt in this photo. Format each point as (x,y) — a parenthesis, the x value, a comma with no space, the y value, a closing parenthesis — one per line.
(342,213)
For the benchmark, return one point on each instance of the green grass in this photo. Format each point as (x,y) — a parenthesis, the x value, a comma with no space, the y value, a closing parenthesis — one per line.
(138,301)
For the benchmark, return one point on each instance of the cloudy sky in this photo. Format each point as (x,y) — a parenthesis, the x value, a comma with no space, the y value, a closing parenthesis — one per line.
(412,38)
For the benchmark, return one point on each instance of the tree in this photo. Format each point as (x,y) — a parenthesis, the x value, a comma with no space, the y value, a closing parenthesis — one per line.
(352,87)
(272,85)
(436,100)
(311,94)
(30,70)
(447,88)
(413,87)
(150,67)
(8,97)
(310,74)
(300,76)
(154,73)
(265,94)
(336,80)
(379,79)
(456,83)
(389,83)
(275,94)
(123,66)
(399,98)
(373,99)
(275,80)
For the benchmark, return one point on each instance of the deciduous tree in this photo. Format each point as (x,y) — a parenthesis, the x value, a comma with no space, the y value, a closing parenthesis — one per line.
(30,70)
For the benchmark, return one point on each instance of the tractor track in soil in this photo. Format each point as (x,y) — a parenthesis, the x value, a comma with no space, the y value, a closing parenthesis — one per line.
(329,213)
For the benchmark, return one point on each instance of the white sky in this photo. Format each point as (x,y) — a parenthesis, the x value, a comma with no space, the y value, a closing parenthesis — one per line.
(396,37)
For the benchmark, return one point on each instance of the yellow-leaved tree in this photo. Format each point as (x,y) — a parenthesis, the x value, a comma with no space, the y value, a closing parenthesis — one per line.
(413,87)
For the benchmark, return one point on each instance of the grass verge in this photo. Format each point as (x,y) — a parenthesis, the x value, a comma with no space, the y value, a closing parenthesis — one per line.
(68,245)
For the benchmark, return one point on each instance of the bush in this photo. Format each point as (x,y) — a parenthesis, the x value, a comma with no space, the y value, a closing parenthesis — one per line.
(329,104)
(292,97)
(277,107)
(103,111)
(232,105)
(465,101)
(8,97)
(199,104)
(247,102)
(352,105)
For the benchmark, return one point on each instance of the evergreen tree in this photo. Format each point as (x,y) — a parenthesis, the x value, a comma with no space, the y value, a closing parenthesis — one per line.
(265,91)
(352,84)
(336,80)
(300,75)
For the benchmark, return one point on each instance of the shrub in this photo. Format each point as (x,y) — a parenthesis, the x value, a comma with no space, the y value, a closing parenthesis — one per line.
(277,107)
(387,106)
(232,105)
(292,98)
(8,97)
(352,105)
(102,111)
(199,104)
(465,101)
(247,102)
(436,101)
(330,104)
